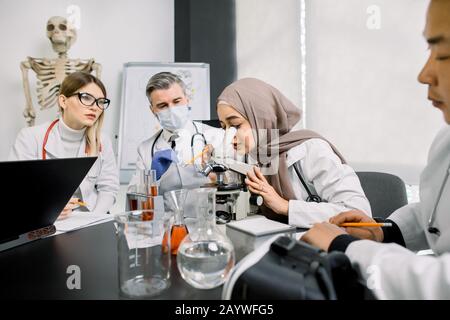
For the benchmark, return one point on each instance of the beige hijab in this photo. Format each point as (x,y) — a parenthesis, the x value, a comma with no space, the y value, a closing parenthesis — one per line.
(267,108)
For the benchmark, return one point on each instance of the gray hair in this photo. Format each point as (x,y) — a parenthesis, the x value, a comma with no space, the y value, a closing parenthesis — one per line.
(163,81)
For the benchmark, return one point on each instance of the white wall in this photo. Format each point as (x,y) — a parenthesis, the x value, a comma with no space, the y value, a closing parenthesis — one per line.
(362,89)
(361,85)
(268,43)
(112,32)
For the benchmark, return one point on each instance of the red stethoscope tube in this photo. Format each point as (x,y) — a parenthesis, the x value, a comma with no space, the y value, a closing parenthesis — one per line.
(50,127)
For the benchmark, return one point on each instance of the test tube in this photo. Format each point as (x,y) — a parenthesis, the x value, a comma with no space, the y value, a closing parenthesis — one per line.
(151,190)
(153,183)
(142,182)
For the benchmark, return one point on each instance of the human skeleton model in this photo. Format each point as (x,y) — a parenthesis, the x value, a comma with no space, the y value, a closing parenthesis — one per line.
(51,72)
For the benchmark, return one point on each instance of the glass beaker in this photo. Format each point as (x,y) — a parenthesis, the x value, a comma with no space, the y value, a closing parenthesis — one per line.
(206,255)
(174,206)
(144,267)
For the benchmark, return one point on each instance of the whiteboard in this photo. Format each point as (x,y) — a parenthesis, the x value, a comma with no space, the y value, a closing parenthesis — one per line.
(137,122)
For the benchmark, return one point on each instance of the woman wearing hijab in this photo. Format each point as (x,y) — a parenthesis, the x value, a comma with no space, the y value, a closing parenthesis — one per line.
(301,176)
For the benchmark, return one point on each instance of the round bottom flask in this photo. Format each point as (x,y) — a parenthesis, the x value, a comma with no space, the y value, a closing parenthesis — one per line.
(206,256)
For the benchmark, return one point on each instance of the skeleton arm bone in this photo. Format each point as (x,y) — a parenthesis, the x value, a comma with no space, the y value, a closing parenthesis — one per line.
(29,112)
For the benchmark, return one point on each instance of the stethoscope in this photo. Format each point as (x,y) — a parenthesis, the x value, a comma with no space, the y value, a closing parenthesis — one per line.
(44,143)
(197,133)
(311,197)
(432,229)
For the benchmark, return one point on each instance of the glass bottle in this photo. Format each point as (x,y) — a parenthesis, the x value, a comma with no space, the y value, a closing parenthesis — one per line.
(174,204)
(206,256)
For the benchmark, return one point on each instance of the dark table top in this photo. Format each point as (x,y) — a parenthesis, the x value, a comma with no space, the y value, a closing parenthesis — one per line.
(38,270)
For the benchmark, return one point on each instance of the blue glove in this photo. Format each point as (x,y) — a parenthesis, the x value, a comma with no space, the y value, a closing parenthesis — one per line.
(162,160)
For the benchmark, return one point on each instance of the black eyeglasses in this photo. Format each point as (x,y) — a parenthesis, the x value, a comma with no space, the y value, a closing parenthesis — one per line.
(88,100)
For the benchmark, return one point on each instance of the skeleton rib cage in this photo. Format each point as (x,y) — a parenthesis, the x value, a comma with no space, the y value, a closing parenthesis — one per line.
(50,74)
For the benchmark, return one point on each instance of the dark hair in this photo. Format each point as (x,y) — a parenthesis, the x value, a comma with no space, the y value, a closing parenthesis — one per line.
(77,80)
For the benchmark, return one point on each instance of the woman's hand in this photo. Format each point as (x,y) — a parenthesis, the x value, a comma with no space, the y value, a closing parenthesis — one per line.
(371,233)
(322,234)
(258,184)
(72,204)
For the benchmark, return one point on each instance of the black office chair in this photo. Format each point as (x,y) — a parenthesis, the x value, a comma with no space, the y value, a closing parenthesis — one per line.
(386,192)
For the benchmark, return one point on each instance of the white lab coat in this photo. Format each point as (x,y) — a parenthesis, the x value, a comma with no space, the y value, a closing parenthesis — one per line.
(101,184)
(178,175)
(325,175)
(398,273)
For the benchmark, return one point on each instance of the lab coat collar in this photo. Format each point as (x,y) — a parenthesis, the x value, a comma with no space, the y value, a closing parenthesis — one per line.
(187,129)
(53,147)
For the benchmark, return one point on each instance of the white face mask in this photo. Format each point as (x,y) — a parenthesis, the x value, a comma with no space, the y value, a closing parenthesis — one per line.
(173,118)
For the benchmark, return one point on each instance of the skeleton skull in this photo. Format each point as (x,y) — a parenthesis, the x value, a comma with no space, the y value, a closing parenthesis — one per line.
(61,34)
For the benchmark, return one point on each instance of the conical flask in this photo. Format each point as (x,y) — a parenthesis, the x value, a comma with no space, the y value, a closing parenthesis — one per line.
(205,256)
(174,205)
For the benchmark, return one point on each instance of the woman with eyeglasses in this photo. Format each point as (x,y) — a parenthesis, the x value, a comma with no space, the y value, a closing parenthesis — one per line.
(77,133)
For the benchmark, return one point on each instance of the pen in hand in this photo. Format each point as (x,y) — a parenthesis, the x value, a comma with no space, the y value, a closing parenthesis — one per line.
(70,206)
(78,202)
(206,149)
(365,224)
(81,203)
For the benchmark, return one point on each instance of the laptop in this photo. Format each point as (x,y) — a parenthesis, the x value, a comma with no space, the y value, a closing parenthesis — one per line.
(34,193)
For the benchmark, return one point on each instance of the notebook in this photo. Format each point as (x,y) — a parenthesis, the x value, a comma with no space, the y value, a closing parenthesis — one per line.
(258,225)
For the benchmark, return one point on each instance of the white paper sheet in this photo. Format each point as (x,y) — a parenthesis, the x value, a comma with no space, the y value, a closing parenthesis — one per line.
(258,225)
(139,241)
(81,219)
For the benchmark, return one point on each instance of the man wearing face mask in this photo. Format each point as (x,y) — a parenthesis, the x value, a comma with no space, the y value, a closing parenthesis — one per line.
(170,151)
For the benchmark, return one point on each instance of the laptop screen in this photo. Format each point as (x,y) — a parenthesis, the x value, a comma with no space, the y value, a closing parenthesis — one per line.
(34,192)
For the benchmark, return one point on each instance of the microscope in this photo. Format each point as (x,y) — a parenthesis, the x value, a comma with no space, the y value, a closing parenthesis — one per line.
(233,199)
